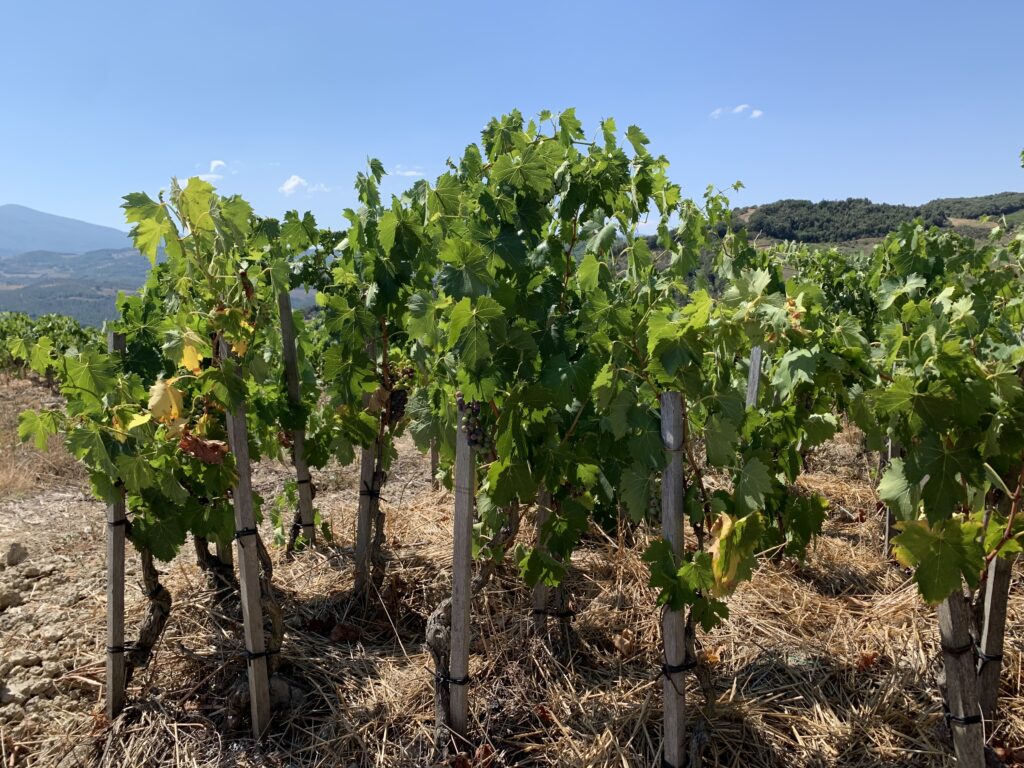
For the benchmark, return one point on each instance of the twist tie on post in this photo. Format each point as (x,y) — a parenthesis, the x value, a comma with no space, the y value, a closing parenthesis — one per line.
(126,648)
(958,651)
(307,481)
(957,720)
(373,493)
(123,522)
(251,656)
(566,614)
(984,658)
(440,677)
(239,535)
(672,669)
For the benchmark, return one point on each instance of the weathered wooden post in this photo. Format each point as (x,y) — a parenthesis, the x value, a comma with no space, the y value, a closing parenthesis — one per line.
(964,712)
(539,594)
(117,523)
(369,501)
(247,555)
(893,450)
(304,514)
(673,623)
(993,629)
(754,377)
(462,566)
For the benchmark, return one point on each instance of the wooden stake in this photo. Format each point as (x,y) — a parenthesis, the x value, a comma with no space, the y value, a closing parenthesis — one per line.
(369,498)
(462,565)
(435,462)
(291,369)
(247,555)
(961,683)
(894,451)
(754,377)
(673,623)
(997,591)
(539,595)
(116,529)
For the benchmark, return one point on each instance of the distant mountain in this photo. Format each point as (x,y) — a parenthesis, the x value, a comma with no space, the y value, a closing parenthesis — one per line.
(24,229)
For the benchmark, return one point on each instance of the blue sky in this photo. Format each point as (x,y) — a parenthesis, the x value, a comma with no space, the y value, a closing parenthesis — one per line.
(899,101)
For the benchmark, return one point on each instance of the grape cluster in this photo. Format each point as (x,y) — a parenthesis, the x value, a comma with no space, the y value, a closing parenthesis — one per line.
(401,380)
(396,405)
(471,424)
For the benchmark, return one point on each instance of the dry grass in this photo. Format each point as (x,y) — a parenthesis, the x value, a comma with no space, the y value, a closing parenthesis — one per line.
(23,469)
(832,662)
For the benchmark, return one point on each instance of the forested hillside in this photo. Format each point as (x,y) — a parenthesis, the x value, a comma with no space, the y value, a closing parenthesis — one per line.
(835,221)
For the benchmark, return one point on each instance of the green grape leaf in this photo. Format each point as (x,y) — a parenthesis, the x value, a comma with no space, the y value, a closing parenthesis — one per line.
(752,486)
(637,485)
(900,494)
(942,554)
(37,426)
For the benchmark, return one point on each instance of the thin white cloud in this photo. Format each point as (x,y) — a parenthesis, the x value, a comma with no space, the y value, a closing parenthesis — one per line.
(292,185)
(401,170)
(739,109)
(318,187)
(212,175)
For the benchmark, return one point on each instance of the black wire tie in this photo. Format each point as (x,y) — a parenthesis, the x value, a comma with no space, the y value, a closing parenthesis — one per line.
(239,535)
(672,669)
(443,678)
(251,656)
(124,521)
(958,651)
(984,658)
(567,614)
(969,720)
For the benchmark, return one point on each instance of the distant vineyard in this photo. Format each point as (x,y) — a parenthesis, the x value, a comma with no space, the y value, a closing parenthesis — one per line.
(562,371)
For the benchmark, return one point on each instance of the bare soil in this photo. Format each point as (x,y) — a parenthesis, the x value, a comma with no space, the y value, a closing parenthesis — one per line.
(831,662)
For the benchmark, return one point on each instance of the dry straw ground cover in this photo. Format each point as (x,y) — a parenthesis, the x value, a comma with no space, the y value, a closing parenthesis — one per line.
(832,662)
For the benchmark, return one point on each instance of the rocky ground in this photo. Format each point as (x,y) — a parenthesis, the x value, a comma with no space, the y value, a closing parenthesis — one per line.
(832,662)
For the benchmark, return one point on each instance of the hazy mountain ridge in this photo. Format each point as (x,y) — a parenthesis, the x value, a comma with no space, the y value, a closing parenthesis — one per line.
(24,229)
(55,264)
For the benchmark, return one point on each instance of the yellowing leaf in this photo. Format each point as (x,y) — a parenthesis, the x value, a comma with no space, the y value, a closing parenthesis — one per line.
(138,420)
(119,430)
(165,402)
(240,347)
(733,551)
(190,358)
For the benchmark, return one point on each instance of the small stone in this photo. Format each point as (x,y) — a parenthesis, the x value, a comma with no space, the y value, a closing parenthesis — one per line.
(25,659)
(31,572)
(16,554)
(11,713)
(284,695)
(12,694)
(9,598)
